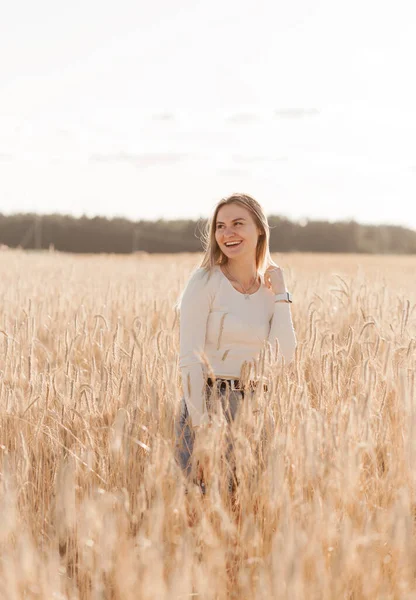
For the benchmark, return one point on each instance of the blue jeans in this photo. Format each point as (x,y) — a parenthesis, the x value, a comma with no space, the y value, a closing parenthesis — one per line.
(185,435)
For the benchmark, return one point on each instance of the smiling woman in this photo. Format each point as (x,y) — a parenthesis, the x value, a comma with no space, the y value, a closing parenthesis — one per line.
(233,303)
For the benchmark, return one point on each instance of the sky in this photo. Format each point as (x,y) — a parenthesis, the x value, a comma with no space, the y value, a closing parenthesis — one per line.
(148,110)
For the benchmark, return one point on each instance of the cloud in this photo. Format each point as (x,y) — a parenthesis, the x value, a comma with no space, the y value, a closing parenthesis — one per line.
(140,160)
(164,117)
(296,113)
(239,158)
(230,172)
(242,118)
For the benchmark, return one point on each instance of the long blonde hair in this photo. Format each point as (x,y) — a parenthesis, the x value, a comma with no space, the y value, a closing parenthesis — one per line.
(213,255)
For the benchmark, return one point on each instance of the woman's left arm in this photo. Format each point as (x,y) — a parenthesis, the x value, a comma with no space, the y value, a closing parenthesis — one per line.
(281,327)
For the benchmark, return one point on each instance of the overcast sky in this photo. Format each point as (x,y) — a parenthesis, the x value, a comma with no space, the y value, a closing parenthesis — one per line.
(145,110)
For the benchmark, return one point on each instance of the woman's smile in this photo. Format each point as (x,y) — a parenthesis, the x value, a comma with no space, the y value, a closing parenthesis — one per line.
(233,244)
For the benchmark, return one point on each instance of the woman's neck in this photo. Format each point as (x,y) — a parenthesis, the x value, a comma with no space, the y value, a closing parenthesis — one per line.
(243,272)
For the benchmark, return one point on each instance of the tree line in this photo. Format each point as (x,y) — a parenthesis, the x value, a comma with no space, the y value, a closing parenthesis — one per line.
(100,234)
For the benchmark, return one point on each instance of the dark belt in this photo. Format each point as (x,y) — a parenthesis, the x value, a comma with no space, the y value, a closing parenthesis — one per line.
(235,384)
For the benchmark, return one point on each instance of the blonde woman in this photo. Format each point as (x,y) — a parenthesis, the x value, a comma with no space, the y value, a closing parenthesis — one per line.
(233,302)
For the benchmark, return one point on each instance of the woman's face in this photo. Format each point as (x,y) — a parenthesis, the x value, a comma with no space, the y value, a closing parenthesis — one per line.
(235,223)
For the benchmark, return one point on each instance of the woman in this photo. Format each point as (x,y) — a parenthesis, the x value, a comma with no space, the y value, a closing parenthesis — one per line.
(233,302)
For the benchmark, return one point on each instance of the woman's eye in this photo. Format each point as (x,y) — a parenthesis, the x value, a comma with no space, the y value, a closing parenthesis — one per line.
(237,223)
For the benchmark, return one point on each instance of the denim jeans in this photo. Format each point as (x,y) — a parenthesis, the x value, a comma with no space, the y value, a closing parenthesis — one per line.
(185,435)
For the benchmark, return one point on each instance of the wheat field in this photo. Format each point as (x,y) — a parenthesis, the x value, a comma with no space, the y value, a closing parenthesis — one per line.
(93,504)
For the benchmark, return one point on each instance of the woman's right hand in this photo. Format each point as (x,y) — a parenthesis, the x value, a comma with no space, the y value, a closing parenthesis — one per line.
(200,466)
(196,428)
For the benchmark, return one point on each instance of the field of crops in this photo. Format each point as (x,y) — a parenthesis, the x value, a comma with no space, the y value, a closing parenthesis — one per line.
(92,502)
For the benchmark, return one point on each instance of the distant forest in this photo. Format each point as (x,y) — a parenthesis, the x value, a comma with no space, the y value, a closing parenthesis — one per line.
(99,234)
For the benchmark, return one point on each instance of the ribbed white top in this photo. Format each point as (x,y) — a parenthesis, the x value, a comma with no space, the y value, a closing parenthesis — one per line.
(229,329)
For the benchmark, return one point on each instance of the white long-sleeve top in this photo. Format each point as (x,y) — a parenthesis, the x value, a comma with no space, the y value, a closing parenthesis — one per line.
(229,329)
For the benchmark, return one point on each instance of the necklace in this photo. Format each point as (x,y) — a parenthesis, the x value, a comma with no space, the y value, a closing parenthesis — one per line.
(246,291)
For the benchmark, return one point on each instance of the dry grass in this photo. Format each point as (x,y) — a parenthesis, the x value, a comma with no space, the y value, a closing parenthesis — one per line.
(92,501)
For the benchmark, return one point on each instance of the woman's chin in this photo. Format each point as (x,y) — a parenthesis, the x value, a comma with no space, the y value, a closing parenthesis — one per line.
(233,250)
